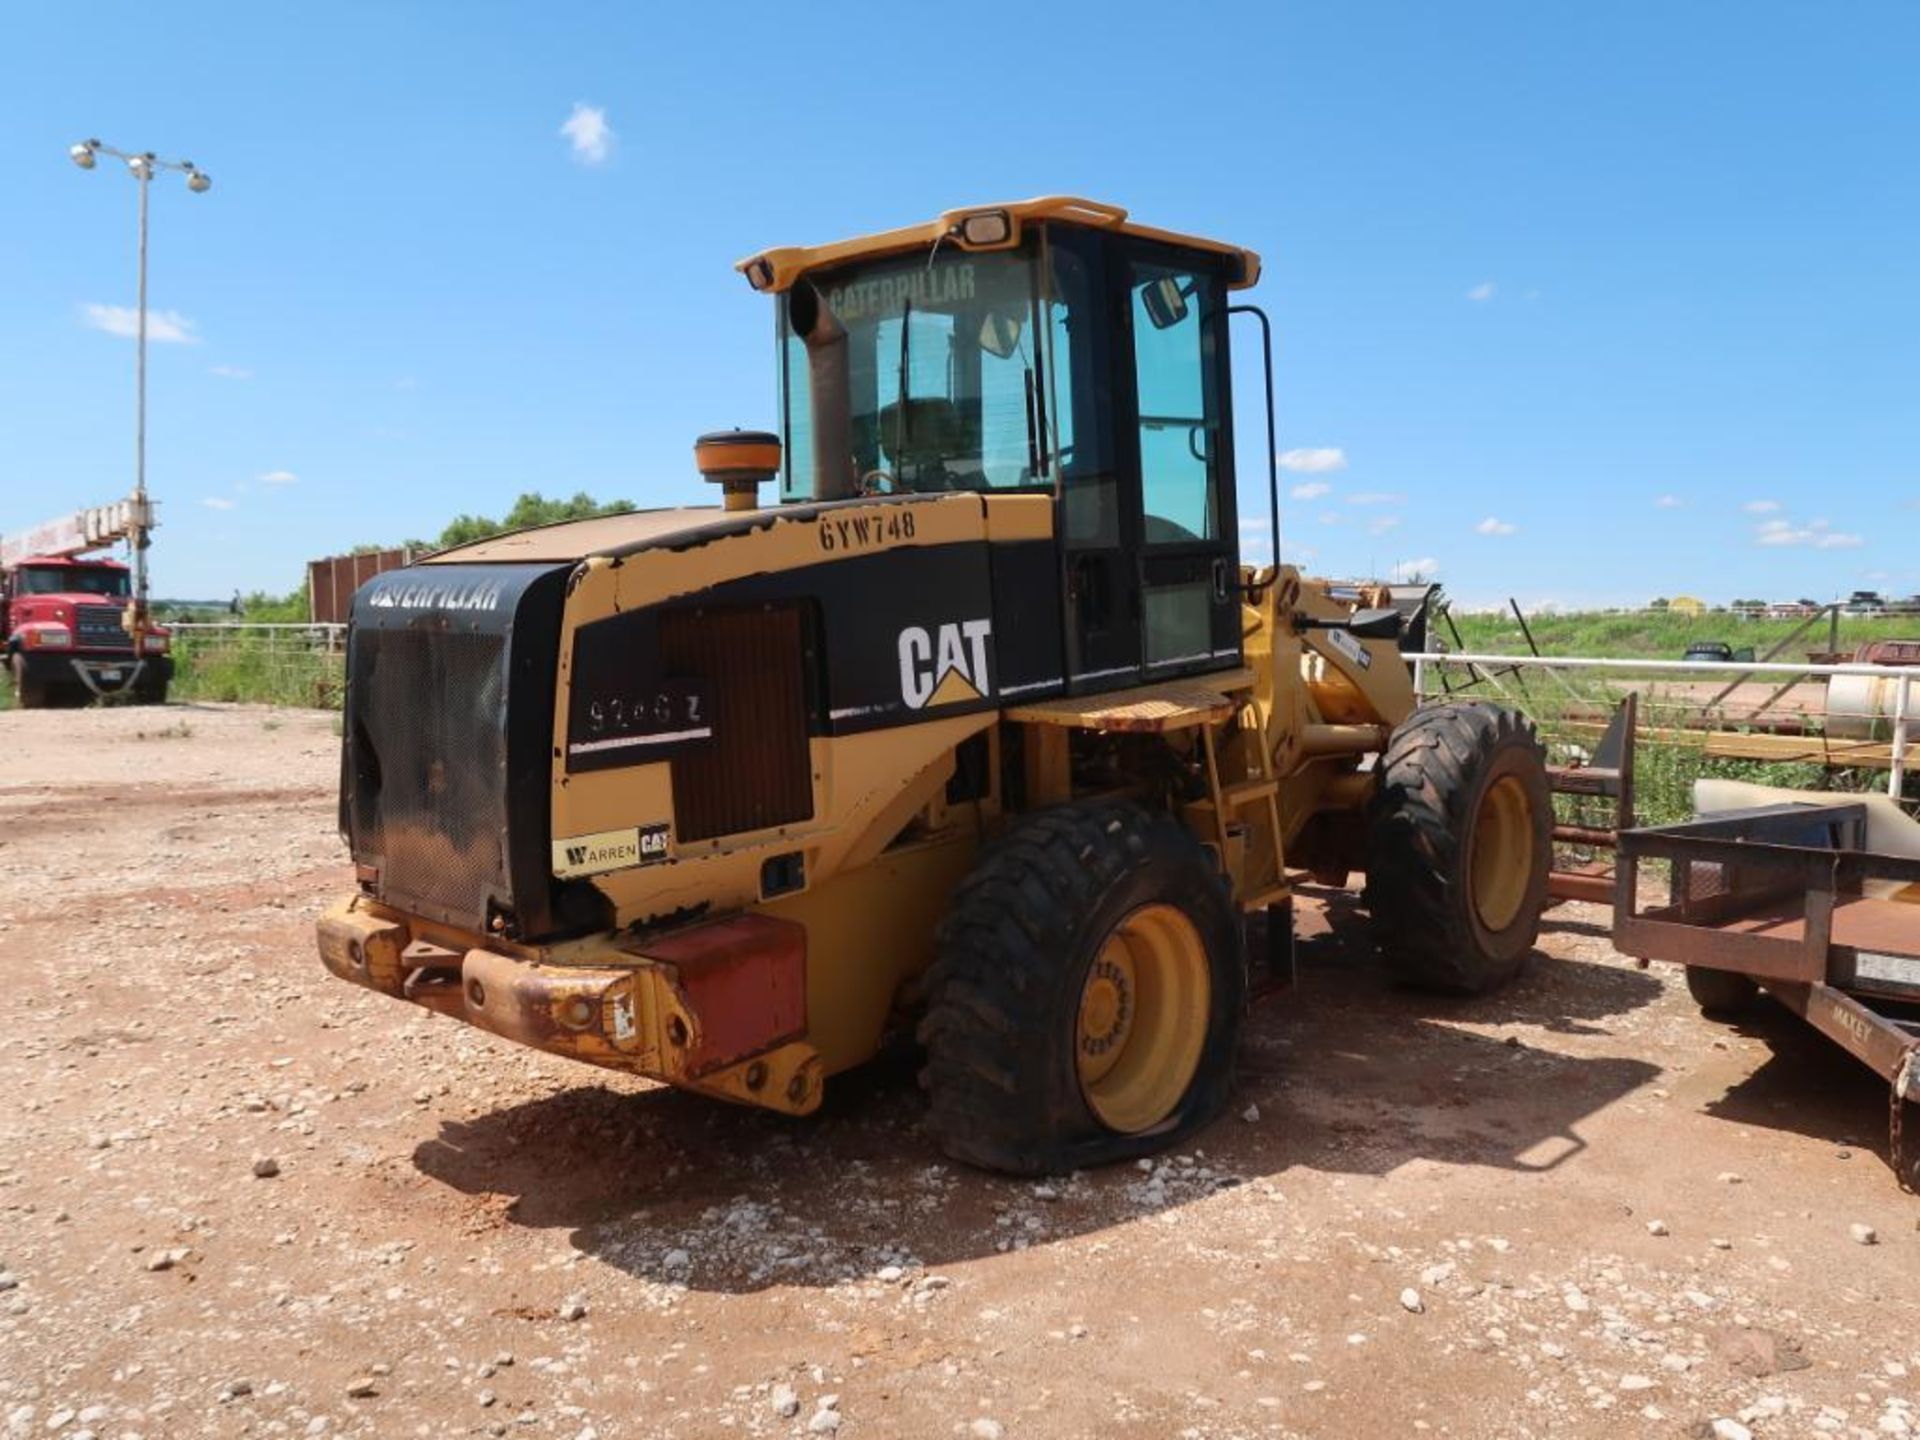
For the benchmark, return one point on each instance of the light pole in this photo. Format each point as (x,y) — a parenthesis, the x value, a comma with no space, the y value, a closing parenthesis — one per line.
(142,167)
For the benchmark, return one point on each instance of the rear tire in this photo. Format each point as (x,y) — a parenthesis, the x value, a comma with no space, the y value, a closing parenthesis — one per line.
(1721,993)
(1459,847)
(1087,999)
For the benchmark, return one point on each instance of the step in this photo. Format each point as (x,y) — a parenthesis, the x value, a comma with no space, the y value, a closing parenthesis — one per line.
(1245,792)
(1260,899)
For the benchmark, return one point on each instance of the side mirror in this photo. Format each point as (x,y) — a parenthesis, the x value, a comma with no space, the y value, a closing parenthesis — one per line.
(1376,624)
(1165,302)
(1000,334)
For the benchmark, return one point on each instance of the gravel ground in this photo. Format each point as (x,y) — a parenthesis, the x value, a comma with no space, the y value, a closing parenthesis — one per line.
(238,1197)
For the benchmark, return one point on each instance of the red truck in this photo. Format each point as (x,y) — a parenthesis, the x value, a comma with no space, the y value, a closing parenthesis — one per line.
(70,622)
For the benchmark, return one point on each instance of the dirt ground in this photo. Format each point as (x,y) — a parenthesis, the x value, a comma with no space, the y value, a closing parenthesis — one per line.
(1575,1208)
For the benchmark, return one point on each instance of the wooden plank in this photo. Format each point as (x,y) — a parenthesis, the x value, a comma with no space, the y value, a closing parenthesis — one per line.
(1730,745)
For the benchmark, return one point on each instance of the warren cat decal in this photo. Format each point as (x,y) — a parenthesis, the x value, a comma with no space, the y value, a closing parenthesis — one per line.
(946,665)
(610,850)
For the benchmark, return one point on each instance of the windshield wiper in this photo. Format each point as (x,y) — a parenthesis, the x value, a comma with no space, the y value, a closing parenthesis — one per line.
(900,420)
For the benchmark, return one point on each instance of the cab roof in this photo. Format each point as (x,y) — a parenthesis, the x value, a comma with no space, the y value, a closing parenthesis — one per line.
(776,270)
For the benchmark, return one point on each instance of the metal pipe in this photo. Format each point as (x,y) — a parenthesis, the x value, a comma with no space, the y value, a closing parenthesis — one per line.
(1629,664)
(1319,740)
(143,176)
(829,391)
(1585,835)
(1569,885)
(1902,715)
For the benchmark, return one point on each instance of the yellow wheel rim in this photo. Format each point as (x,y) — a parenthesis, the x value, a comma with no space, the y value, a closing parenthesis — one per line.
(1142,1020)
(1501,869)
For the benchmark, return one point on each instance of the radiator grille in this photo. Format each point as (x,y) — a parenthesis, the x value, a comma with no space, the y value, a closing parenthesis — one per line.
(756,771)
(430,727)
(99,625)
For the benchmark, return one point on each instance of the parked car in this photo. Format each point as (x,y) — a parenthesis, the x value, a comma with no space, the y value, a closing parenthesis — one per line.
(1717,650)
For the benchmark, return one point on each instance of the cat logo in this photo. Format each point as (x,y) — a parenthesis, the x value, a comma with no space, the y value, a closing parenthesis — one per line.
(947,666)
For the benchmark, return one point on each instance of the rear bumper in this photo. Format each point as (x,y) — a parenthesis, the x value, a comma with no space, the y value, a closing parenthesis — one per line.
(719,1007)
(106,674)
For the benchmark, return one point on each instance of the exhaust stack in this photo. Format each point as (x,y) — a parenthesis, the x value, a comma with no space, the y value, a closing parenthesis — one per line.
(829,391)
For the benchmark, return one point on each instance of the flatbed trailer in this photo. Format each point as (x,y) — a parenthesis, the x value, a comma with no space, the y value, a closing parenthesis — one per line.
(1787,898)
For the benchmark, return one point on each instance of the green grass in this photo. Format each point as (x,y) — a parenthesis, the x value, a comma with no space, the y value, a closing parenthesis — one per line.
(262,668)
(1641,635)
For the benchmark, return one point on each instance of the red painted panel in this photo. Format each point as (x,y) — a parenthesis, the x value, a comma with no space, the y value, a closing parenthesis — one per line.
(745,979)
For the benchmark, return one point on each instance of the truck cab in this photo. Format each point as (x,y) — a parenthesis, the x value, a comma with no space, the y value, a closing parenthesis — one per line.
(64,619)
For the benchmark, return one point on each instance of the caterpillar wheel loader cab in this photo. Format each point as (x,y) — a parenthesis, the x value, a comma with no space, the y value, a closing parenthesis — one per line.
(983,728)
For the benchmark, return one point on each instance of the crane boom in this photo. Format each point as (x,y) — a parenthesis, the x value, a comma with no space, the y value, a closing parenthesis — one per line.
(83,530)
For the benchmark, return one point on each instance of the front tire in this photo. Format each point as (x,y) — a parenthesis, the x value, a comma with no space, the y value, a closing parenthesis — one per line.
(1459,847)
(1087,999)
(28,694)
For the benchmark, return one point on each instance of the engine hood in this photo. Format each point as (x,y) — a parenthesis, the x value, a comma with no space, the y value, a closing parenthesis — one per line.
(674,528)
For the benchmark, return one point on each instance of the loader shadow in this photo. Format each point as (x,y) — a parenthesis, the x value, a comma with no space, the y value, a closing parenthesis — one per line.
(1351,1076)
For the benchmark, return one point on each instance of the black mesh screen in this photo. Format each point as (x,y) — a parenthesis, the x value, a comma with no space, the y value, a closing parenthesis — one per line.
(430,722)
(449,729)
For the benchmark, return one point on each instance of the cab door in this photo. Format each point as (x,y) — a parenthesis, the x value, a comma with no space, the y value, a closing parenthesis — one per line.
(1085,435)
(1186,541)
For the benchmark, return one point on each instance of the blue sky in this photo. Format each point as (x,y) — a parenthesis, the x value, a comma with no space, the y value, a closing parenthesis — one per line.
(1566,297)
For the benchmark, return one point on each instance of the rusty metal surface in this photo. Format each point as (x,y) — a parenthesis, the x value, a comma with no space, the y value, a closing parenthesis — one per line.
(1175,705)
(1608,775)
(755,772)
(1596,889)
(1776,893)
(588,1014)
(1881,1043)
(744,984)
(332,581)
(1859,923)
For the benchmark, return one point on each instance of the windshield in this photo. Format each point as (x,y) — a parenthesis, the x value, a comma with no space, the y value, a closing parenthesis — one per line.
(943,374)
(70,580)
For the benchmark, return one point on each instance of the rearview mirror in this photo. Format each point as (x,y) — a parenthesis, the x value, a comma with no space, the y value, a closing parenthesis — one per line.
(1381,624)
(1000,334)
(1165,302)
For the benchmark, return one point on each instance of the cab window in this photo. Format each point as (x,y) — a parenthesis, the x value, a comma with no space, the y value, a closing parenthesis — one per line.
(1173,317)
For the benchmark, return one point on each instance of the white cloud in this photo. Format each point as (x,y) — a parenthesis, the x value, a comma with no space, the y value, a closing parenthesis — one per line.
(1483,291)
(1407,571)
(1381,524)
(230,372)
(1761,507)
(1312,490)
(216,502)
(1817,536)
(1329,517)
(1256,539)
(589,133)
(1375,497)
(164,327)
(279,477)
(1494,526)
(1314,459)
(1668,502)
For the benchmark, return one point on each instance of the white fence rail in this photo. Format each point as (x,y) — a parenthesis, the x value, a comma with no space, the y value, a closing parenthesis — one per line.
(279,664)
(1725,705)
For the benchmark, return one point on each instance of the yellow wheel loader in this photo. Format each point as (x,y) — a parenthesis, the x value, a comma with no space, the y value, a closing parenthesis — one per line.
(983,728)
